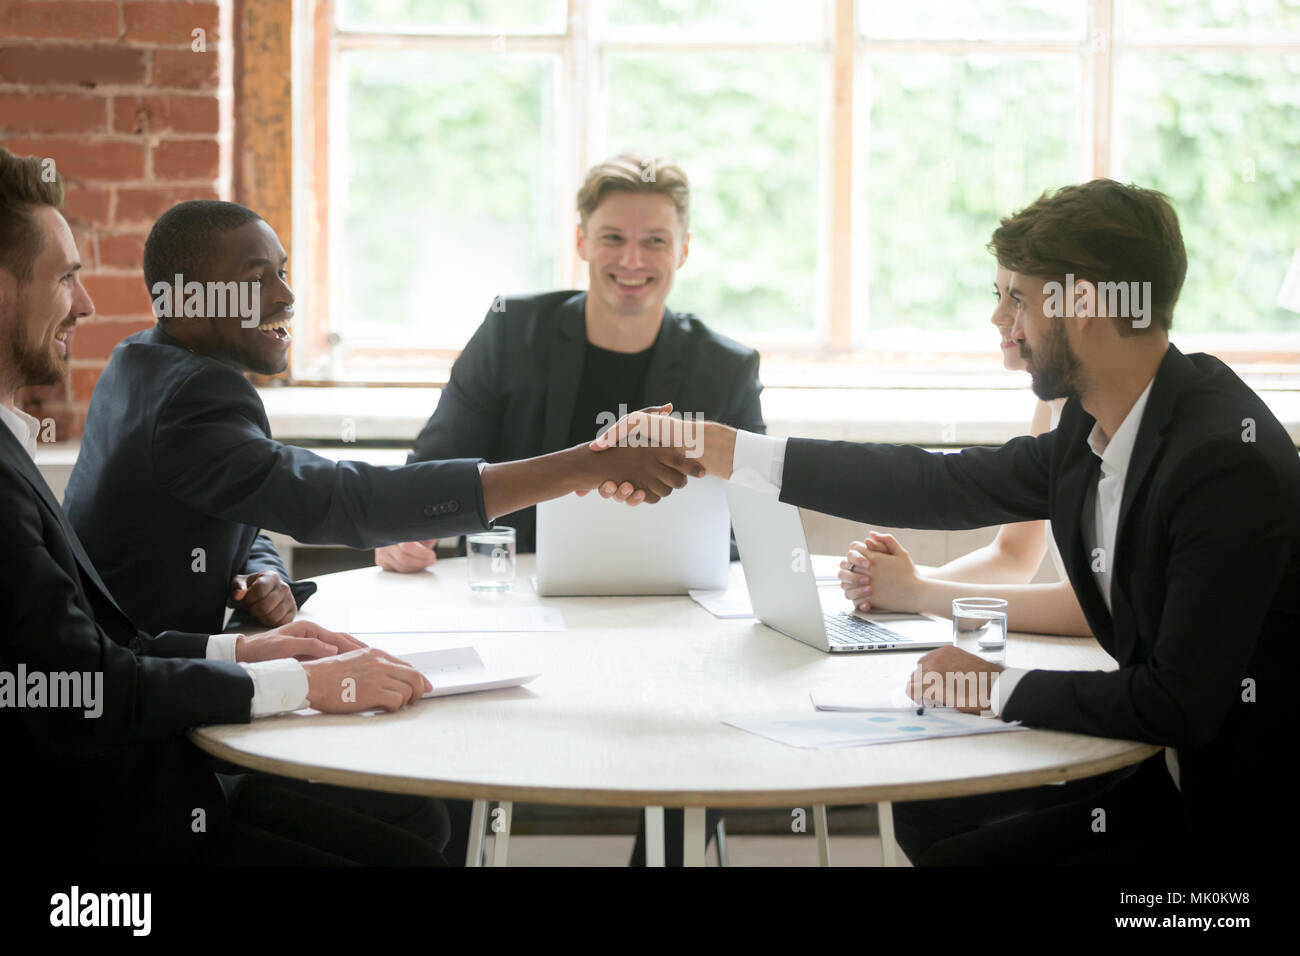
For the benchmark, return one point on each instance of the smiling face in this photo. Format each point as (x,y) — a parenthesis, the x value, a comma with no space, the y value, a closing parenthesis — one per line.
(1003,318)
(251,256)
(633,244)
(37,315)
(1043,341)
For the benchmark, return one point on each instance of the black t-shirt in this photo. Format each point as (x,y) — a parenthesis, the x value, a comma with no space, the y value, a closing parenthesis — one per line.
(609,379)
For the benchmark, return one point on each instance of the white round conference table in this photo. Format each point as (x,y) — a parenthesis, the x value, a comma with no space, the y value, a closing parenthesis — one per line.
(628,712)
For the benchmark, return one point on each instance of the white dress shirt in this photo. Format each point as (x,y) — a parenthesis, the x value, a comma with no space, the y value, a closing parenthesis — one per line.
(278,686)
(24,427)
(1052,550)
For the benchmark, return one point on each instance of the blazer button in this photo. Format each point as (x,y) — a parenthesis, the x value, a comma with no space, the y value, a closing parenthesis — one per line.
(429,511)
(454,506)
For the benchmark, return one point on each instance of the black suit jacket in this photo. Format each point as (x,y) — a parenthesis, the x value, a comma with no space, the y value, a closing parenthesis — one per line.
(123,787)
(1205,578)
(512,391)
(177,455)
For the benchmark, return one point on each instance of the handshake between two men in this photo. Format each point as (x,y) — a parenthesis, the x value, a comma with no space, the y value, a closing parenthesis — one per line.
(674,449)
(642,457)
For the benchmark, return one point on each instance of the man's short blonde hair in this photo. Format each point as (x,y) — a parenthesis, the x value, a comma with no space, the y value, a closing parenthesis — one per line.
(635,173)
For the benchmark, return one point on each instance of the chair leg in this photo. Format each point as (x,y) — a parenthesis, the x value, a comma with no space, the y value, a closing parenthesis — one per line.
(888,848)
(693,836)
(477,830)
(501,819)
(654,836)
(720,834)
(823,834)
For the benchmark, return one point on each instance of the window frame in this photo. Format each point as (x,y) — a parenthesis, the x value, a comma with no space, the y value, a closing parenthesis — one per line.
(845,43)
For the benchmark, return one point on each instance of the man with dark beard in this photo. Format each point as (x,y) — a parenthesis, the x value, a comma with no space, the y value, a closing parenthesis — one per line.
(1174,496)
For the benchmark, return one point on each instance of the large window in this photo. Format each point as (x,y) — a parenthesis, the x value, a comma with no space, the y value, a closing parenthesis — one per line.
(848,161)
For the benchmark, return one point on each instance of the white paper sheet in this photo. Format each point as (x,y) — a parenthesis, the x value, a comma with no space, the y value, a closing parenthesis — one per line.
(823,730)
(467,620)
(870,699)
(724,604)
(459,670)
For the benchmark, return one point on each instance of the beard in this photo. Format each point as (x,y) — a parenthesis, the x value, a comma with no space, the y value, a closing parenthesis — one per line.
(33,363)
(229,346)
(1055,366)
(248,359)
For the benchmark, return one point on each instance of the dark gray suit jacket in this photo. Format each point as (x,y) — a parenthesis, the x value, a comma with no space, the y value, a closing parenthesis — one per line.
(121,788)
(178,455)
(512,391)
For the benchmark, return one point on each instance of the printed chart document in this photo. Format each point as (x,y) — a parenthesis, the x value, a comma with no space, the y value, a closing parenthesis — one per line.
(459,670)
(449,619)
(839,729)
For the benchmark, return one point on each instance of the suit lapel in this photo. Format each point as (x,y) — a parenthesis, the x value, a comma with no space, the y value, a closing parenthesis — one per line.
(27,468)
(1075,482)
(1075,485)
(1169,382)
(564,372)
(663,378)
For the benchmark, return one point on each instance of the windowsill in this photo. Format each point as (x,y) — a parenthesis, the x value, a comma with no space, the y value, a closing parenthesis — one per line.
(901,358)
(927,416)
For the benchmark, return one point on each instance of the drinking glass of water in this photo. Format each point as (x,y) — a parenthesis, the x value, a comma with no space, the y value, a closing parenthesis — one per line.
(491,559)
(983,618)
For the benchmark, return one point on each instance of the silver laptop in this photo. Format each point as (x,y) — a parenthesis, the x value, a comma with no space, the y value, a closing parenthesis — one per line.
(592,545)
(783,590)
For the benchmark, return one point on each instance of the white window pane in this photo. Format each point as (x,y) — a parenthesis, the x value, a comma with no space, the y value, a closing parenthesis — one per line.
(454,16)
(1219,135)
(971,17)
(728,17)
(448,193)
(956,143)
(1253,15)
(746,130)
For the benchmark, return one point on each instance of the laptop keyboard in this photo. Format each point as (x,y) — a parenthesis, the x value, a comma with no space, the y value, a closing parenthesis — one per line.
(845,629)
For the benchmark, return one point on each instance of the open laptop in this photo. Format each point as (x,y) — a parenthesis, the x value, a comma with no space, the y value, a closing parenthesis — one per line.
(593,545)
(783,590)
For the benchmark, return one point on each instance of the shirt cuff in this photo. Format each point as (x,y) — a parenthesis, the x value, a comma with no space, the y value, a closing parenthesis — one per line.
(279,686)
(1004,685)
(221,647)
(758,461)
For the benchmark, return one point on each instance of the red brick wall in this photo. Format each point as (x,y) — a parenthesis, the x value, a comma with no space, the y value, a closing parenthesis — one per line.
(135,120)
